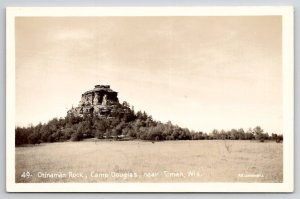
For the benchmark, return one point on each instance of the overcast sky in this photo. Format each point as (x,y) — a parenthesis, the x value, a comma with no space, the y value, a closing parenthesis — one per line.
(198,72)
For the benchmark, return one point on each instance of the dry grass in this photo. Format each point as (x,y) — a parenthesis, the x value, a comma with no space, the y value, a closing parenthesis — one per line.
(215,161)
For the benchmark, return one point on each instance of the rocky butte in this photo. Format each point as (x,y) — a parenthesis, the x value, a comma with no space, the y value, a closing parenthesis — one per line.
(101,101)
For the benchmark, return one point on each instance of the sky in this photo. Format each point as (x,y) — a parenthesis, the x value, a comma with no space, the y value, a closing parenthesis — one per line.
(202,73)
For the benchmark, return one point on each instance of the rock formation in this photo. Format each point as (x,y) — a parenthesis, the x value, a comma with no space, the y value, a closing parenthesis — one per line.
(101,101)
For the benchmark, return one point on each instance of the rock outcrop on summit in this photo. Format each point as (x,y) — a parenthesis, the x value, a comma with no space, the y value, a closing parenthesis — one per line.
(100,115)
(101,101)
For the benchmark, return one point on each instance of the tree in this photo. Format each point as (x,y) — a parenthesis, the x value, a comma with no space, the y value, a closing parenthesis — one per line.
(100,126)
(34,137)
(126,104)
(45,133)
(234,135)
(258,133)
(223,135)
(215,134)
(21,136)
(241,134)
(76,137)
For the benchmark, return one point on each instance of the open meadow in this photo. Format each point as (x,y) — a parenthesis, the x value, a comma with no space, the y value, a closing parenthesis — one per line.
(141,161)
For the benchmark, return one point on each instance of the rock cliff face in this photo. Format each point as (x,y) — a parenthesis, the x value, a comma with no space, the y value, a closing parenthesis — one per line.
(101,101)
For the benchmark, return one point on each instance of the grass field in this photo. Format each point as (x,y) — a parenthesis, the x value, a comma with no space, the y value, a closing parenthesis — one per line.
(139,161)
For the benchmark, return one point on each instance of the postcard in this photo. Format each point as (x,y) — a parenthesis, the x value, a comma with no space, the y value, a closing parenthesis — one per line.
(150,99)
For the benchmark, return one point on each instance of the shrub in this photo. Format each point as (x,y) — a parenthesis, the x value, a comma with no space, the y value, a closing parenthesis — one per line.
(76,137)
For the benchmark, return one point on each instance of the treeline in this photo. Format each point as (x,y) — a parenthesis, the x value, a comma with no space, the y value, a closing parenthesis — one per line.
(132,125)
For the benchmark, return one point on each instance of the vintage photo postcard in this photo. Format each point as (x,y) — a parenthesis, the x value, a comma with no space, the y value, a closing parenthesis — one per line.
(150,99)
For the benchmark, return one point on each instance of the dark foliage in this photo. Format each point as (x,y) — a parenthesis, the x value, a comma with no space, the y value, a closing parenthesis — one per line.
(132,125)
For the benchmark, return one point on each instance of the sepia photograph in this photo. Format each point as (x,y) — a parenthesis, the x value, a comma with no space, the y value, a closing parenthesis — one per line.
(181,97)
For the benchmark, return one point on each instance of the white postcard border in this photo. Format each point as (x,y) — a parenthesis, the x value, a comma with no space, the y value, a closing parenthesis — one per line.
(288,98)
